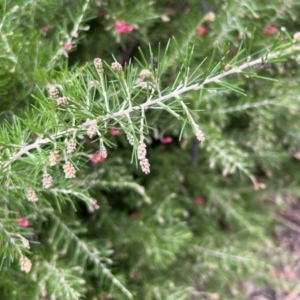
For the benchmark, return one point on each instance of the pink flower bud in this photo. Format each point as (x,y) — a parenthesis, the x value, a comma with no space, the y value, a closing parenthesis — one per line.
(45,29)
(199,200)
(96,158)
(122,28)
(201,30)
(23,222)
(167,140)
(114,131)
(270,30)
(68,47)
(96,205)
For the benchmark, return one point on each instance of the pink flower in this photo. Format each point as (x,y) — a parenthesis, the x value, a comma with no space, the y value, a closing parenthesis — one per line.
(96,205)
(122,28)
(95,158)
(270,30)
(68,46)
(114,131)
(23,222)
(167,140)
(201,30)
(45,29)
(199,200)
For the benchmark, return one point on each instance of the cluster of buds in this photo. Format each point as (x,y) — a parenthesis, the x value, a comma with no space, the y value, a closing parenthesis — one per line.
(146,74)
(25,264)
(117,67)
(31,195)
(92,130)
(145,79)
(71,146)
(130,138)
(103,151)
(47,180)
(25,242)
(142,84)
(199,134)
(98,65)
(141,154)
(54,158)
(53,92)
(69,170)
(210,16)
(62,101)
(141,151)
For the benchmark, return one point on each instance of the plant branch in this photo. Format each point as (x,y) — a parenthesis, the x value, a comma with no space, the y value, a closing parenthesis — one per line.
(145,105)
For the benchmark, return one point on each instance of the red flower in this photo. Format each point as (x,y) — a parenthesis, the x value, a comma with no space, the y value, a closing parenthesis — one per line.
(68,46)
(23,222)
(122,28)
(270,30)
(201,30)
(114,131)
(95,158)
(199,200)
(167,140)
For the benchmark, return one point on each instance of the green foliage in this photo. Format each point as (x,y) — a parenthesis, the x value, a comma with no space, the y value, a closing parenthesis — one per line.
(123,179)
